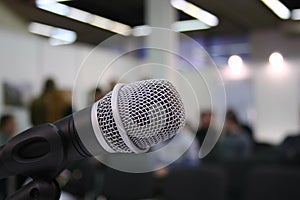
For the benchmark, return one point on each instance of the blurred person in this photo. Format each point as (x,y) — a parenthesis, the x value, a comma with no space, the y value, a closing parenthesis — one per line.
(7,128)
(206,119)
(112,84)
(95,95)
(289,149)
(184,142)
(248,129)
(191,155)
(235,143)
(207,127)
(38,108)
(98,94)
(50,106)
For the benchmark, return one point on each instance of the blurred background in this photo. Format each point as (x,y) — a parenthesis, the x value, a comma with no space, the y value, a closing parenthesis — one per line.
(255,45)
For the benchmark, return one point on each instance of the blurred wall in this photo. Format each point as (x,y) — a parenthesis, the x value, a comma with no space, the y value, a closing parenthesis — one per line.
(29,58)
(276,90)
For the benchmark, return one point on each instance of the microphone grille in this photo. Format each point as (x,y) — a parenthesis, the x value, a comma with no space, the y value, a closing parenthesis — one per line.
(108,126)
(150,112)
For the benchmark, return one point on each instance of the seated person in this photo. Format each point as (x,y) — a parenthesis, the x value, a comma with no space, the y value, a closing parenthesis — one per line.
(289,150)
(235,143)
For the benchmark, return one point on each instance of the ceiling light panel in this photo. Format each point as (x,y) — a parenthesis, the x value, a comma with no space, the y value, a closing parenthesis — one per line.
(295,14)
(196,12)
(278,8)
(83,16)
(58,35)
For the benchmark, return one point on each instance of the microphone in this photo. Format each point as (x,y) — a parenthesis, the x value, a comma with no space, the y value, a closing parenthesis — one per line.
(129,119)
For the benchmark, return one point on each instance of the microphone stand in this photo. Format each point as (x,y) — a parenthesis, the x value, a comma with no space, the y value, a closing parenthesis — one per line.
(38,189)
(41,153)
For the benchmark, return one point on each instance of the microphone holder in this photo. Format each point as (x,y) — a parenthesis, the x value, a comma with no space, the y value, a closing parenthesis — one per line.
(38,189)
(41,153)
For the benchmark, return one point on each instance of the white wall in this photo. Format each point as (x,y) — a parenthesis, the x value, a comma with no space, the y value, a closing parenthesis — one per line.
(30,59)
(275,112)
(276,92)
(277,102)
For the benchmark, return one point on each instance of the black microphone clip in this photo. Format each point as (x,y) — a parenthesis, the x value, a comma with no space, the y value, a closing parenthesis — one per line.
(43,151)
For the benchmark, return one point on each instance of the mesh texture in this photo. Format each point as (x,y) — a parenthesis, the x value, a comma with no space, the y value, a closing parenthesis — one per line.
(108,125)
(151,112)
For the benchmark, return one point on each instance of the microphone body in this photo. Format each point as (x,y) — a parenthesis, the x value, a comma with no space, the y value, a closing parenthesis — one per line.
(130,119)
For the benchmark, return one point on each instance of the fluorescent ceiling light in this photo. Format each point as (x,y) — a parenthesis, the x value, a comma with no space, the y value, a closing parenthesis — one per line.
(64,35)
(121,28)
(296,14)
(82,16)
(57,42)
(196,12)
(189,25)
(101,22)
(53,6)
(54,33)
(179,26)
(141,30)
(110,25)
(40,29)
(278,8)
(79,15)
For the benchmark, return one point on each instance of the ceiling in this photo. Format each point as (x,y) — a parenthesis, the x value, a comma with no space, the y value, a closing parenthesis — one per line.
(236,16)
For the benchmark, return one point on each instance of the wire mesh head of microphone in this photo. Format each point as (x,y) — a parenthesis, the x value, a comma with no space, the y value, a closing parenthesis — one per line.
(138,115)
